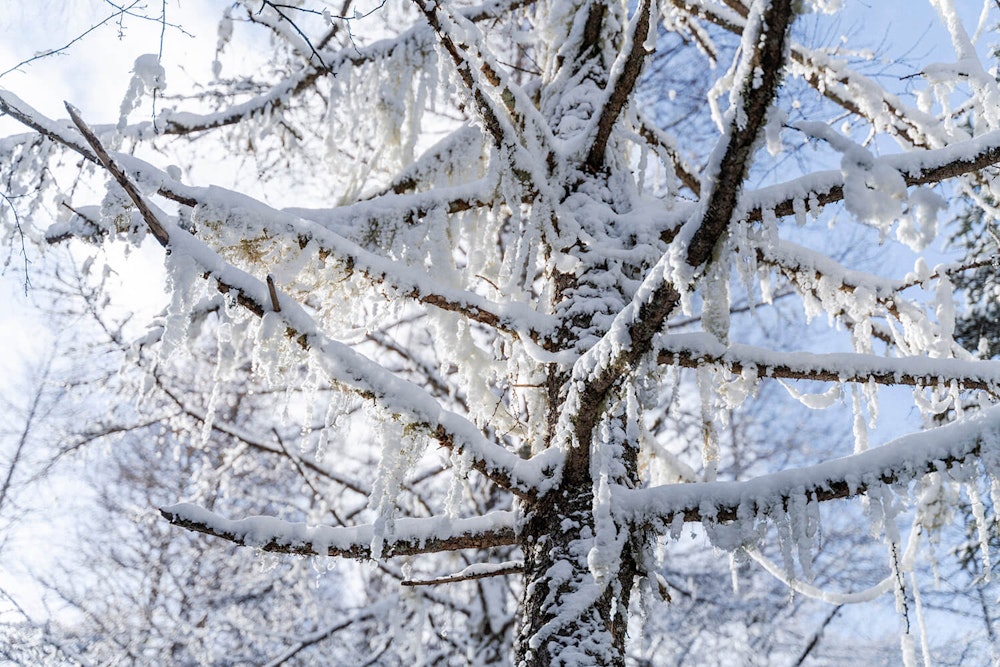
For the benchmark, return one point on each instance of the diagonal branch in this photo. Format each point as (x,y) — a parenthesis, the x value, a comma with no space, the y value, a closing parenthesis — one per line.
(497,123)
(259,444)
(408,401)
(408,283)
(409,537)
(379,609)
(763,71)
(161,235)
(22,112)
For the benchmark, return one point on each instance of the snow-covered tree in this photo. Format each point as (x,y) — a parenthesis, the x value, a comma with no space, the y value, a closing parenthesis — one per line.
(511,284)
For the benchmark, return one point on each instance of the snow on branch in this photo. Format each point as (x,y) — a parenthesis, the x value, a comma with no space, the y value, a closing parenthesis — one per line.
(625,73)
(403,281)
(852,91)
(631,334)
(816,268)
(697,349)
(406,400)
(409,537)
(174,122)
(408,283)
(916,167)
(898,462)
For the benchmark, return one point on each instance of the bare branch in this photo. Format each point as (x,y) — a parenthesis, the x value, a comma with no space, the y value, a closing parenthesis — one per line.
(50,52)
(373,611)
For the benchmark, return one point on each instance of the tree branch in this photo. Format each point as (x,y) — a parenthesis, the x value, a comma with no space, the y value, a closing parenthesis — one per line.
(343,365)
(696,350)
(477,571)
(763,67)
(621,87)
(133,192)
(499,123)
(898,462)
(916,168)
(410,537)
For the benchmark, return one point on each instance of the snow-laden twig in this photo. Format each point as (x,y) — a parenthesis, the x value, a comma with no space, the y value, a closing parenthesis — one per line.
(475,571)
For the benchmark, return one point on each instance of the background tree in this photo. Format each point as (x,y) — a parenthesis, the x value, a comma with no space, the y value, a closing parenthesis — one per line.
(495,248)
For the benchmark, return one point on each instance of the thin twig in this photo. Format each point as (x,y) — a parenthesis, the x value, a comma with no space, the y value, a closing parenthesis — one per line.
(465,575)
(51,52)
(273,294)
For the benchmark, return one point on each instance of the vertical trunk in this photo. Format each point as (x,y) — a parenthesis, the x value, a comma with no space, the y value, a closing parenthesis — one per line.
(568,616)
(567,619)
(574,612)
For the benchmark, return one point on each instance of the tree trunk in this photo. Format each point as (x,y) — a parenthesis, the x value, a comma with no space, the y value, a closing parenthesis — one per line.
(568,616)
